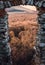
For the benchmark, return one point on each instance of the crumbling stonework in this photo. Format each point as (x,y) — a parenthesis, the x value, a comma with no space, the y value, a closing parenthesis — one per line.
(4,47)
(40,5)
(23,44)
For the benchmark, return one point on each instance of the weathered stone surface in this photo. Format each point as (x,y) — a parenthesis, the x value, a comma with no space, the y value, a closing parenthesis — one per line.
(40,4)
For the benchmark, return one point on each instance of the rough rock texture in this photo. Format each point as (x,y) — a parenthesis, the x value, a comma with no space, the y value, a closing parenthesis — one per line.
(22,39)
